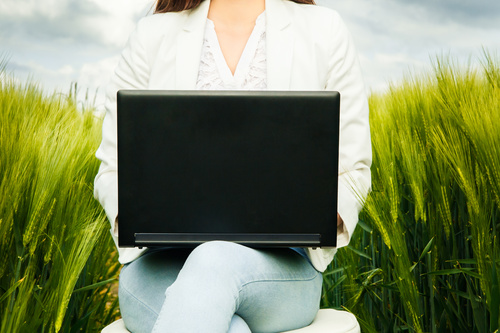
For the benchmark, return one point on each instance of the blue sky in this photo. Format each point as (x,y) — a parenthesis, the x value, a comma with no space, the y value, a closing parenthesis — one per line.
(57,42)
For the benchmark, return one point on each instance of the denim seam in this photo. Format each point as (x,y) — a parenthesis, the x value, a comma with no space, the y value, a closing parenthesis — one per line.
(138,300)
(271,280)
(281,280)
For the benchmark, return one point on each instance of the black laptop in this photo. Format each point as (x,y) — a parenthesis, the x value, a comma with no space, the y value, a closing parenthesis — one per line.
(257,168)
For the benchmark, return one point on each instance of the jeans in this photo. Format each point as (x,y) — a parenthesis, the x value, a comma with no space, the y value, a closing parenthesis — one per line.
(219,287)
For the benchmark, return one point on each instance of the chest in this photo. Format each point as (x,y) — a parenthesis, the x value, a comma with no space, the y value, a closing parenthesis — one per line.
(295,61)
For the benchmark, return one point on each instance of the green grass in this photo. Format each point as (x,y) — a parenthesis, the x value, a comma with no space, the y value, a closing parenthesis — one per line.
(423,259)
(54,236)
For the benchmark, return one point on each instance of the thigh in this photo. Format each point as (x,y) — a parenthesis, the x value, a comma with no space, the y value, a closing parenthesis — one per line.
(142,286)
(283,294)
(273,290)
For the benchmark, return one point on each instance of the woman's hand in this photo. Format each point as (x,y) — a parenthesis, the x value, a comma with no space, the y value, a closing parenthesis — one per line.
(339,220)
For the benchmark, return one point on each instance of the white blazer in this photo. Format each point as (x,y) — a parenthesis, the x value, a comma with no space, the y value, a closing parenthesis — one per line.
(308,48)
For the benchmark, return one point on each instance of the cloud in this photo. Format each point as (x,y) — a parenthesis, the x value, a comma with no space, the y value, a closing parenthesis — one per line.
(394,37)
(59,42)
(50,20)
(51,80)
(121,18)
(107,23)
(94,77)
(381,69)
(478,13)
(426,23)
(63,41)
(31,67)
(91,73)
(91,78)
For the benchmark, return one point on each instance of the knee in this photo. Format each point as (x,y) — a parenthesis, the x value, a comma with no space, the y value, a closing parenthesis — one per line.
(216,257)
(215,253)
(209,271)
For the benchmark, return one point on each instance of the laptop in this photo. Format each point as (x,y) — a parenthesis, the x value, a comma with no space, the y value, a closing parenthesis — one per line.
(256,168)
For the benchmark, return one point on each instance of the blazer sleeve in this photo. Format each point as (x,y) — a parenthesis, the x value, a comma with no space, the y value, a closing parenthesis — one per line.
(355,154)
(132,72)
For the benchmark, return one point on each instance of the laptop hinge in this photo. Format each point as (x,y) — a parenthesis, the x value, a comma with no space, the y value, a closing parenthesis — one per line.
(193,239)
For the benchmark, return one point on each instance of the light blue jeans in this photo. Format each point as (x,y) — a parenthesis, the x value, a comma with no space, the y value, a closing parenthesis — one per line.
(219,287)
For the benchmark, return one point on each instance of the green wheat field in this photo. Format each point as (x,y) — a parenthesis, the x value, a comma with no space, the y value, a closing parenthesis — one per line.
(424,258)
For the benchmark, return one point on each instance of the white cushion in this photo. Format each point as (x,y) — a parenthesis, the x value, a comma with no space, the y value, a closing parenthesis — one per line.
(115,327)
(326,321)
(331,321)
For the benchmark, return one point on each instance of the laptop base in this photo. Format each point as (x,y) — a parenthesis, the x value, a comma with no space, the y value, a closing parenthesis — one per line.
(257,239)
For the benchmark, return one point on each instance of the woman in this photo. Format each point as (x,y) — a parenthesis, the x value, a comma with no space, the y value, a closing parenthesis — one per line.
(236,44)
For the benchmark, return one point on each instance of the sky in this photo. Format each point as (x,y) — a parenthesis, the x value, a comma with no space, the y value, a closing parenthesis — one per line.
(59,42)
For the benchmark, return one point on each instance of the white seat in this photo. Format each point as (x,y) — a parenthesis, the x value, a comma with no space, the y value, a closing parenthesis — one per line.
(326,321)
(331,321)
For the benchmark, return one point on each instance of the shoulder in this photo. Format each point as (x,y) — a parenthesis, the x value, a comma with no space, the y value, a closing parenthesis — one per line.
(153,30)
(314,15)
(324,26)
(159,23)
(317,19)
(312,10)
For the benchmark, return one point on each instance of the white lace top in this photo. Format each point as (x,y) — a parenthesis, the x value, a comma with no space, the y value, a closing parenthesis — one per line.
(251,71)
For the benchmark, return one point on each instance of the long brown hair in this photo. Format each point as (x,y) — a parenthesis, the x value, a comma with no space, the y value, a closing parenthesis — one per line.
(164,6)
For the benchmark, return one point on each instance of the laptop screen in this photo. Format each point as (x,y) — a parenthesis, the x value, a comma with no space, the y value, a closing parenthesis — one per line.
(257,168)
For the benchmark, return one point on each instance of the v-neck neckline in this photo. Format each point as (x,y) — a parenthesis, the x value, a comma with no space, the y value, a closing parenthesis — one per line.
(246,57)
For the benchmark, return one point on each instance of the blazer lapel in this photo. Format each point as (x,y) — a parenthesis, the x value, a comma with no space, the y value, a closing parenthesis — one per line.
(279,45)
(189,47)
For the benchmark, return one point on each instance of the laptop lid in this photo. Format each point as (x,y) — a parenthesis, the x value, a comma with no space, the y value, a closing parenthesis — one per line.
(257,168)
